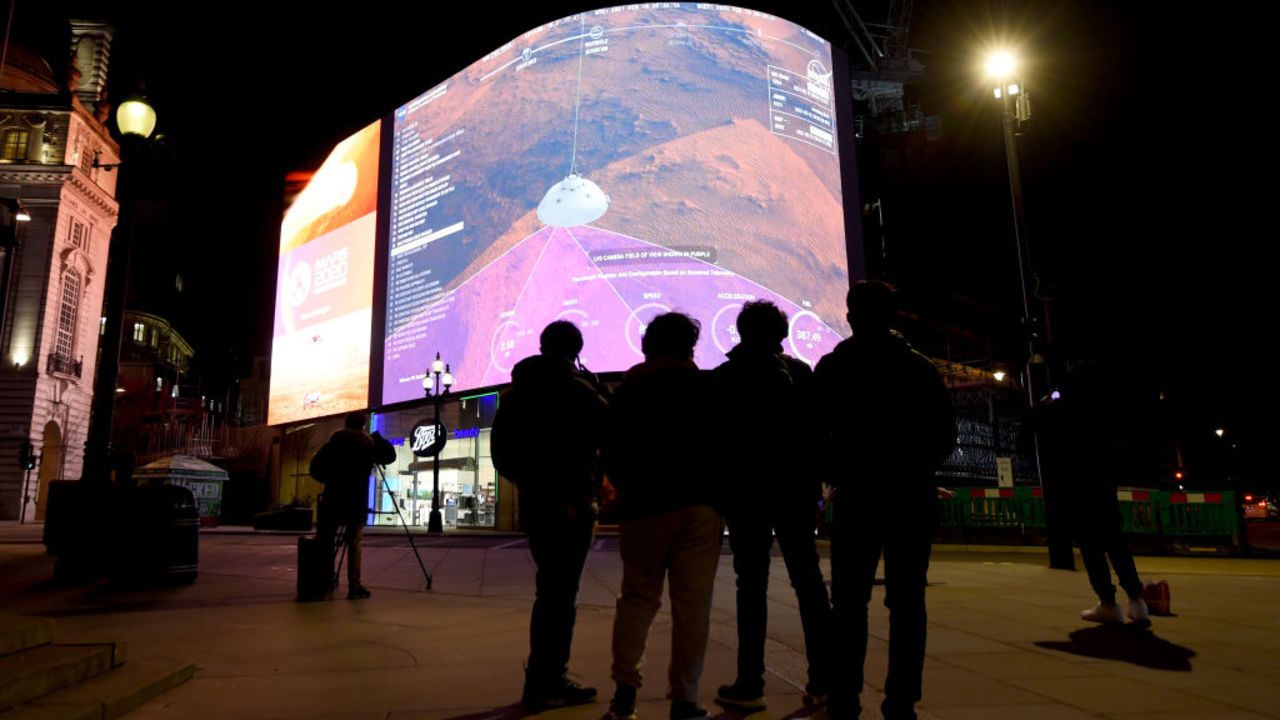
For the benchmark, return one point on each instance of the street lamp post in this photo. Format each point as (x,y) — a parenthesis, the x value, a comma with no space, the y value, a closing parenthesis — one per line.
(435,384)
(1016,109)
(77,516)
(136,120)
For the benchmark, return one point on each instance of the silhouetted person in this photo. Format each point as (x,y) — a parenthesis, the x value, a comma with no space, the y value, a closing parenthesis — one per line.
(344,464)
(546,437)
(768,493)
(889,422)
(656,457)
(1080,458)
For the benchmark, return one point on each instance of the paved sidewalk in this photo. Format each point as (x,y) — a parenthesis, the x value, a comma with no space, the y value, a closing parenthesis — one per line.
(1005,640)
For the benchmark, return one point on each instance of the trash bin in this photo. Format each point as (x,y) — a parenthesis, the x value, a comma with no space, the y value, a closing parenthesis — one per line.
(178,543)
(161,538)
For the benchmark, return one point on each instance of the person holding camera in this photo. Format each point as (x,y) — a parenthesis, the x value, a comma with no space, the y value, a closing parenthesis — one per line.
(344,465)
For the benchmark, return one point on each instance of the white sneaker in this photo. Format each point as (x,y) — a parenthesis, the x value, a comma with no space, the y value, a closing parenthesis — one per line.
(1104,613)
(1138,614)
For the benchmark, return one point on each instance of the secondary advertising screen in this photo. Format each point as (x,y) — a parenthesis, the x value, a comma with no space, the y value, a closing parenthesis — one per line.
(324,287)
(608,167)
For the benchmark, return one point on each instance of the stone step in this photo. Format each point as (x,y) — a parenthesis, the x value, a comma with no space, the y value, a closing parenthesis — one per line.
(27,675)
(108,696)
(18,633)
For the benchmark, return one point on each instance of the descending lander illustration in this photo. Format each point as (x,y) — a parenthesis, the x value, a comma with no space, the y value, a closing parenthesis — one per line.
(575,200)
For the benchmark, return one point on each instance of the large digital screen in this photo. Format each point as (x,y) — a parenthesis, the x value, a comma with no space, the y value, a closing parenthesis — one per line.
(608,167)
(324,287)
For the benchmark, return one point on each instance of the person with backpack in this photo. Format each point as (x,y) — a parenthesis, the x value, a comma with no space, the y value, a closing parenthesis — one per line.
(545,439)
(769,494)
(887,422)
(343,465)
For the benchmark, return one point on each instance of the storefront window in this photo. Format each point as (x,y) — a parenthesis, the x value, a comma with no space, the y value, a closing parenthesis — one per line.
(468,481)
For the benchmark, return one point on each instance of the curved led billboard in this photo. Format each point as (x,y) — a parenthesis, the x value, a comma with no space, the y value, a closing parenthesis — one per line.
(324,287)
(608,167)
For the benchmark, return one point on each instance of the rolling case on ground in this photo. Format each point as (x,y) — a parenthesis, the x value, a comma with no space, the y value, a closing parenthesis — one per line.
(315,570)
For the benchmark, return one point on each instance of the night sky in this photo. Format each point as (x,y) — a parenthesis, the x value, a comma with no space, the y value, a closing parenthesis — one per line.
(1140,209)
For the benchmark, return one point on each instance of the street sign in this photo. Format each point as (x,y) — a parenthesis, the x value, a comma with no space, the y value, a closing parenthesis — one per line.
(1004,471)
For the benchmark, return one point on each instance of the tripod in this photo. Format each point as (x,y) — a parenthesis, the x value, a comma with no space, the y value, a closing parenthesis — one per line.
(383,476)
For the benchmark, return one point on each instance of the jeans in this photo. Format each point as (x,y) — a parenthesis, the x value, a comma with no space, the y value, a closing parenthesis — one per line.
(327,526)
(903,532)
(1100,537)
(751,535)
(559,541)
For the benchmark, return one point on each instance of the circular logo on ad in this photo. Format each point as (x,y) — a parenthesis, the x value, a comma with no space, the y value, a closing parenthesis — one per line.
(298,284)
(427,438)
(817,71)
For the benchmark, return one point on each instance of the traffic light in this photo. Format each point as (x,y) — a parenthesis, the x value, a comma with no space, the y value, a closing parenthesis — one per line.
(26,456)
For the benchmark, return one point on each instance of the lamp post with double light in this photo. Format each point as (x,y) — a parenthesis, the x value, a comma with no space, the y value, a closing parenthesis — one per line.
(1015,109)
(435,384)
(1006,84)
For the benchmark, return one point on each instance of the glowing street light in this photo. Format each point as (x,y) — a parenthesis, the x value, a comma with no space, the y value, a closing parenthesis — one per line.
(1001,64)
(136,117)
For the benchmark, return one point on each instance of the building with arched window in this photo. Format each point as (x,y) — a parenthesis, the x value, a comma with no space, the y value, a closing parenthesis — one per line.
(53,142)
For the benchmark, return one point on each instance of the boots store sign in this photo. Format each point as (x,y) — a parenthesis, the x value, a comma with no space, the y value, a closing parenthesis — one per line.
(427,438)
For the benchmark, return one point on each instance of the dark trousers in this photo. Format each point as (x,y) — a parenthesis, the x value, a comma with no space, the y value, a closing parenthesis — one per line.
(903,532)
(1100,539)
(332,526)
(751,536)
(559,541)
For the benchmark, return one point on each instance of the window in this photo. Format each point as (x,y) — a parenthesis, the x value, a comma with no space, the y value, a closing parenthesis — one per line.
(139,332)
(102,328)
(86,159)
(77,236)
(68,312)
(15,144)
(159,384)
(155,337)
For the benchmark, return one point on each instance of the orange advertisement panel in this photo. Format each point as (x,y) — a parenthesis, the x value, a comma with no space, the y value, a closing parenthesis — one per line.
(324,288)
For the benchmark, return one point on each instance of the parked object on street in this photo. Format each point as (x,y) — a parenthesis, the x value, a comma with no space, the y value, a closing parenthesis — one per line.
(1156,594)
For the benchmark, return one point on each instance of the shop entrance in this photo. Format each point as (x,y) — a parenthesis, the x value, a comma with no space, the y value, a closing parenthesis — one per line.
(468,481)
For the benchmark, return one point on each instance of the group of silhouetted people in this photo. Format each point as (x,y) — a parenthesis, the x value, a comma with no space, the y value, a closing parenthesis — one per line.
(680,452)
(684,451)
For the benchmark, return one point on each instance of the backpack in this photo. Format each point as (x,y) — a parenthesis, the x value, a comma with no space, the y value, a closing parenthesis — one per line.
(511,440)
(323,466)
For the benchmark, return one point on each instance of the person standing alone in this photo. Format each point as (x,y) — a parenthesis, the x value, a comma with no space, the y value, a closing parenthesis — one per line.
(887,418)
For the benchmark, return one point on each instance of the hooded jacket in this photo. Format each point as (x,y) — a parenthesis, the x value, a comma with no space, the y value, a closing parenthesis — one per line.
(885,414)
(344,464)
(552,426)
(656,451)
(760,392)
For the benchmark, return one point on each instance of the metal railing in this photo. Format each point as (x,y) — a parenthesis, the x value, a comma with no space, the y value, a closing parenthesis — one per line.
(63,365)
